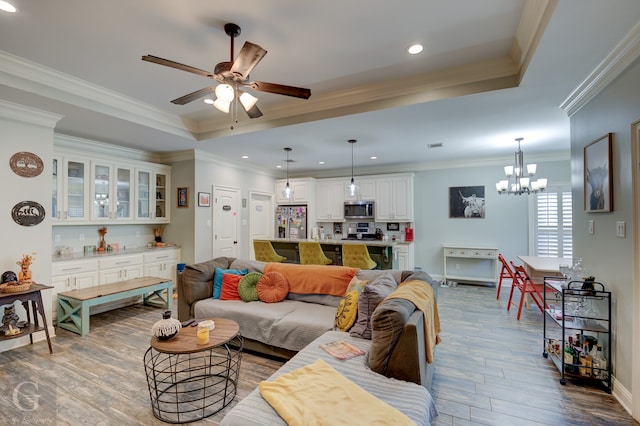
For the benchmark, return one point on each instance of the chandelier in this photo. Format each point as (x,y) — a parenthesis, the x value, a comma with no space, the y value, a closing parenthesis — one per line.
(517,182)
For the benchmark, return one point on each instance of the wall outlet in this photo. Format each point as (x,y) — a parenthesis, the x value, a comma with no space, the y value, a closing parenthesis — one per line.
(81,238)
(137,234)
(457,266)
(591,227)
(621,229)
(56,238)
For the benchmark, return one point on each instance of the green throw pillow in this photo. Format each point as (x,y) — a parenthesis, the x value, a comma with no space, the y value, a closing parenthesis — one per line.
(247,287)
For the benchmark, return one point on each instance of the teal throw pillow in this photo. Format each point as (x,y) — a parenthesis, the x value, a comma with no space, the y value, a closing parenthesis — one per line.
(217,279)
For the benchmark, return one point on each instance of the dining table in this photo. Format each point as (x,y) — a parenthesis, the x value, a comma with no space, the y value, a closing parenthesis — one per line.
(539,267)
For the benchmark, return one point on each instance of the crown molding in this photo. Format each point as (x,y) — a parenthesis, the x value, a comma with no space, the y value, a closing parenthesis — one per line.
(535,18)
(103,148)
(28,115)
(34,78)
(614,64)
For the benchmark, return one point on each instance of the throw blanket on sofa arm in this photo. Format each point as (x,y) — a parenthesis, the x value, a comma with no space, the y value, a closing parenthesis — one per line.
(318,394)
(422,295)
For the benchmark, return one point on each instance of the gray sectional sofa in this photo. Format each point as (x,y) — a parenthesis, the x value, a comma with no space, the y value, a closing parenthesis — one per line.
(295,327)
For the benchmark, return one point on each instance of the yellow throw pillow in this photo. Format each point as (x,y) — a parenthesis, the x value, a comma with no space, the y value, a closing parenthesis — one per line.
(348,308)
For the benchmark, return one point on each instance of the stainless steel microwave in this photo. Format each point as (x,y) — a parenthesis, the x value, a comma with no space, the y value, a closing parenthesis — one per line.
(359,210)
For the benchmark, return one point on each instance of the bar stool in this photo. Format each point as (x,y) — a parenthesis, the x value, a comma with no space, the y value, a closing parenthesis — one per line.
(357,256)
(265,252)
(311,254)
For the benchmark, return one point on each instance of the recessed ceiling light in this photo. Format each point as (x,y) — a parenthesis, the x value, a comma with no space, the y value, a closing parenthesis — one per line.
(7,7)
(245,156)
(320,162)
(208,101)
(373,157)
(278,166)
(415,49)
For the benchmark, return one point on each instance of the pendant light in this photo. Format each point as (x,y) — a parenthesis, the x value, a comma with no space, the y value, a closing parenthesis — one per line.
(287,192)
(353,188)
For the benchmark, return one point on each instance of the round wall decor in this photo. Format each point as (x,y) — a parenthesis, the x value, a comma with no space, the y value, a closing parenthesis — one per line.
(26,164)
(27,213)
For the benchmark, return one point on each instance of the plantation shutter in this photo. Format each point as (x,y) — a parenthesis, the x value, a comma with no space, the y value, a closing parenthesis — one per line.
(553,225)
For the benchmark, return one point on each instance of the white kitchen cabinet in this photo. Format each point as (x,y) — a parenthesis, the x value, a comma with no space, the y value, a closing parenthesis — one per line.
(162,263)
(330,200)
(403,257)
(111,192)
(366,189)
(72,275)
(70,198)
(119,268)
(304,190)
(153,194)
(394,198)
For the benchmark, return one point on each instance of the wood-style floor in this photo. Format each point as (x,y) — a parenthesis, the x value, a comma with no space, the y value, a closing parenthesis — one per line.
(489,370)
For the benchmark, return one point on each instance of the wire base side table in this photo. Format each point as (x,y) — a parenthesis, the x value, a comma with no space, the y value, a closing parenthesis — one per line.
(189,382)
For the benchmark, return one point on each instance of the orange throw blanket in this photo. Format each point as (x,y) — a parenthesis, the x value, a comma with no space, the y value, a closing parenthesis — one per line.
(422,295)
(314,279)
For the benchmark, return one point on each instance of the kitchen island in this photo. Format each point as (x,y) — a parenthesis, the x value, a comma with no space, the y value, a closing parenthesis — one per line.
(380,251)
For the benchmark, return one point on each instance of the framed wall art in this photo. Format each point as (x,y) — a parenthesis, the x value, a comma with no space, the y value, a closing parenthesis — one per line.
(182,197)
(204,199)
(466,202)
(598,175)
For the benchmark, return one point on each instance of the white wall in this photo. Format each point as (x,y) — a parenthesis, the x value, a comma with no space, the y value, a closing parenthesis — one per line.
(26,129)
(506,221)
(608,257)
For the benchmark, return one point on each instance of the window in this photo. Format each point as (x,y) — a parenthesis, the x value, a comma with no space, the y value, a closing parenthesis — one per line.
(553,223)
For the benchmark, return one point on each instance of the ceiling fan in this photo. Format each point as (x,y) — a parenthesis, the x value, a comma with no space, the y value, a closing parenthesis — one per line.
(233,76)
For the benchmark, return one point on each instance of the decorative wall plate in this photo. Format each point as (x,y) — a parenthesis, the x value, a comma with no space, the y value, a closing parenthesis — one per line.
(27,213)
(26,164)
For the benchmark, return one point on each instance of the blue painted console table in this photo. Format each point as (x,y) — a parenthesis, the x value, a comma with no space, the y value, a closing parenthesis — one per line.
(74,306)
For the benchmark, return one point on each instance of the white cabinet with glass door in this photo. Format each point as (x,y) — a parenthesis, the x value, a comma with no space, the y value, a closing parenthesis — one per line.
(111,192)
(70,198)
(153,194)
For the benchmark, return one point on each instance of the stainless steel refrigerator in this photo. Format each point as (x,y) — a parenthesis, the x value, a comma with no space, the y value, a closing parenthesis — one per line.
(291,222)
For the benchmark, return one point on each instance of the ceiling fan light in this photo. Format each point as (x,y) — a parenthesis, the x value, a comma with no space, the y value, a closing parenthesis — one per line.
(247,100)
(7,7)
(222,105)
(415,49)
(225,92)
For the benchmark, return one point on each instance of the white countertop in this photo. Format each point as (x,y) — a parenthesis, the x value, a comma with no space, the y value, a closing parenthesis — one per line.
(377,243)
(97,254)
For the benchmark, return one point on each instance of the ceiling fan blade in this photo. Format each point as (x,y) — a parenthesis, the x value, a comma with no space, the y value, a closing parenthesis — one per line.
(250,55)
(253,112)
(281,89)
(193,96)
(177,65)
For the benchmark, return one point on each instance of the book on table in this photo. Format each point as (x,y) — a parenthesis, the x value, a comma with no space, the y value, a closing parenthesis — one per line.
(342,350)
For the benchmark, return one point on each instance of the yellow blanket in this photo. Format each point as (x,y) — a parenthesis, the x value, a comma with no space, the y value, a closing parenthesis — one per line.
(422,295)
(317,394)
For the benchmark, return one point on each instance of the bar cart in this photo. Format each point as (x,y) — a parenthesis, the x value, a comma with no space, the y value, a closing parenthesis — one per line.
(577,330)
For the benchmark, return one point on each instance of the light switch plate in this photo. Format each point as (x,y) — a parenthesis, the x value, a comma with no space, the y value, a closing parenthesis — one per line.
(621,229)
(591,227)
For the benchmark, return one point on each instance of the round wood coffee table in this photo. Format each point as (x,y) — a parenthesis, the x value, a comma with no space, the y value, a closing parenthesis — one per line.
(187,381)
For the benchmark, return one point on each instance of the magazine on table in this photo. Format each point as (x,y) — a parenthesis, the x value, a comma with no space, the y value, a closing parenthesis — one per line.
(342,350)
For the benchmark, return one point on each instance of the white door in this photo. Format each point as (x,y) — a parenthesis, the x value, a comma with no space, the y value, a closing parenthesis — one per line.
(261,218)
(226,214)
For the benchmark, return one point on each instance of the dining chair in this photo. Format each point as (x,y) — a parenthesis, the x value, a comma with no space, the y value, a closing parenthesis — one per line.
(505,272)
(523,283)
(357,256)
(265,252)
(311,254)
